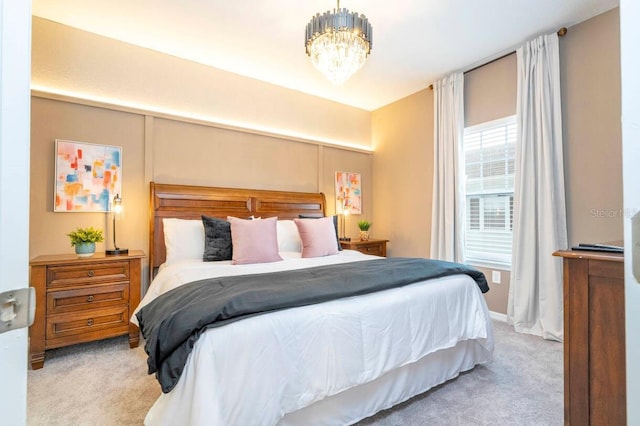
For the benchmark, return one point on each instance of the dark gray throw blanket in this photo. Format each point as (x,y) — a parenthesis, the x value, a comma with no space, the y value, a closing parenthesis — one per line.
(173,322)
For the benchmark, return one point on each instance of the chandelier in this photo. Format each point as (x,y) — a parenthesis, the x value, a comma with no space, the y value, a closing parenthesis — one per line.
(338,43)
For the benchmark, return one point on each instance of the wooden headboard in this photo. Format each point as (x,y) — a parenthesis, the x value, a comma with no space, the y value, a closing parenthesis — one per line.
(191,202)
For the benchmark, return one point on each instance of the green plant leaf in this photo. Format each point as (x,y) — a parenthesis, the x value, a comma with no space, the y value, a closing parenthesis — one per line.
(364,225)
(85,235)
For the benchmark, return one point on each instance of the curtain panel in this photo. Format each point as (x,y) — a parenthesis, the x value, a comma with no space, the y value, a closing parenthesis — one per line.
(539,217)
(447,230)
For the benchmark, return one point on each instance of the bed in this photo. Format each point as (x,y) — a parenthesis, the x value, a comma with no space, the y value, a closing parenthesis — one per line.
(334,362)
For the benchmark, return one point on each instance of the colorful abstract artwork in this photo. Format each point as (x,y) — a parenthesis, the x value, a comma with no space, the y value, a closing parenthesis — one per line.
(87,176)
(348,193)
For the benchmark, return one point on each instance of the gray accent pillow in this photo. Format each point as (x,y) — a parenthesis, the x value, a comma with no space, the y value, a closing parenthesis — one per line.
(217,239)
(335,225)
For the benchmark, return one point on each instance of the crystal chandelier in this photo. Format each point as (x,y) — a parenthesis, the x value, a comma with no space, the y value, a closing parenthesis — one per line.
(338,43)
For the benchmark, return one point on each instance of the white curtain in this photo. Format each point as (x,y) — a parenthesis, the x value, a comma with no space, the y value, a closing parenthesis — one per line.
(539,216)
(447,230)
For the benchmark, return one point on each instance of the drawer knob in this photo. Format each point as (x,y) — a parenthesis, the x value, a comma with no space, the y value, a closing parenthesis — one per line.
(90,322)
(90,298)
(90,273)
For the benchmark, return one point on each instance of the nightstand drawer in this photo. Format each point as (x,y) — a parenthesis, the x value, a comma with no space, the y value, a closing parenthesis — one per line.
(372,247)
(86,322)
(96,297)
(73,275)
(375,250)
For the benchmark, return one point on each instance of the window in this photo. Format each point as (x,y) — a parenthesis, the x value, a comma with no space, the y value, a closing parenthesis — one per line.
(489,151)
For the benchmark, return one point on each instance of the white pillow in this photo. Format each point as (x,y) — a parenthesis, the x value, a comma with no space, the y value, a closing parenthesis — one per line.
(183,239)
(288,237)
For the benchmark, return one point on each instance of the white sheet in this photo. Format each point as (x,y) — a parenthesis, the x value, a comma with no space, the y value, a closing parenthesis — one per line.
(257,370)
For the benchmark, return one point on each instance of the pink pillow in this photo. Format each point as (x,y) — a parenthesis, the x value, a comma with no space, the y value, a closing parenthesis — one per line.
(254,241)
(318,236)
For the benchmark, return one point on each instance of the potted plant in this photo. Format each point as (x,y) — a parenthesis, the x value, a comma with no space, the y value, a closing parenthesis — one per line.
(85,239)
(364,226)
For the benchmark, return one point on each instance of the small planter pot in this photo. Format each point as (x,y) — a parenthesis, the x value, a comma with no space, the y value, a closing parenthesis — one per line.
(85,249)
(364,235)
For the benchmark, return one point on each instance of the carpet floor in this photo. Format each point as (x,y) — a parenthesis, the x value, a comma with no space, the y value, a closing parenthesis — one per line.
(105,383)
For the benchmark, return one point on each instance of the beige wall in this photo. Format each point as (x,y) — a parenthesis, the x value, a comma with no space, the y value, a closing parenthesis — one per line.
(498,298)
(170,151)
(65,59)
(490,91)
(403,174)
(590,76)
(334,160)
(178,122)
(231,159)
(52,120)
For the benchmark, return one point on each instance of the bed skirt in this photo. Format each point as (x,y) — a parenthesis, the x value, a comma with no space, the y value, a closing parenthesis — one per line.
(393,388)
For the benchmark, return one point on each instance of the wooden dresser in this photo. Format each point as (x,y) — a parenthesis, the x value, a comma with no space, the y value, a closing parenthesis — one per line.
(594,341)
(374,247)
(83,299)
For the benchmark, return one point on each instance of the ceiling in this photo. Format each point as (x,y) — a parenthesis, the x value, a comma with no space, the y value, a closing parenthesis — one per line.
(415,42)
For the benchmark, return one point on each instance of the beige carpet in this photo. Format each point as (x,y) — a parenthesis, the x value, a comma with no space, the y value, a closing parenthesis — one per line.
(105,383)
(98,383)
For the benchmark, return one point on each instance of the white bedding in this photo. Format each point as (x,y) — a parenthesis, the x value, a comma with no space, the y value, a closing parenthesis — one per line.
(258,370)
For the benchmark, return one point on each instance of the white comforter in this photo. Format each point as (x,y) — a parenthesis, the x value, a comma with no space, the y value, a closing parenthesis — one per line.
(255,371)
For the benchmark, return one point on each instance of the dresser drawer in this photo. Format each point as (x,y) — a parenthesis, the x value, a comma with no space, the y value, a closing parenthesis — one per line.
(74,275)
(95,323)
(96,297)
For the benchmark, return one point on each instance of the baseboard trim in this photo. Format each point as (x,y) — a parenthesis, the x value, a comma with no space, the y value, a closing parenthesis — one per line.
(498,316)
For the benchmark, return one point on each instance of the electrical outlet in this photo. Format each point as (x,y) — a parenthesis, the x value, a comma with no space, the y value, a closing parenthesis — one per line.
(495,277)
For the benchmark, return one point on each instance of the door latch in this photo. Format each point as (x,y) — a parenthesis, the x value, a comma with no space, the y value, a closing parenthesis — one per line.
(17,308)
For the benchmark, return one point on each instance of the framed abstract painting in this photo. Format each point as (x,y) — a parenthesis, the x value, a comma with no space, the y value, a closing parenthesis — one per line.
(87,176)
(348,193)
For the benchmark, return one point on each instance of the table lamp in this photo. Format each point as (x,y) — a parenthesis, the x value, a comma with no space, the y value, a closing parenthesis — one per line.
(116,207)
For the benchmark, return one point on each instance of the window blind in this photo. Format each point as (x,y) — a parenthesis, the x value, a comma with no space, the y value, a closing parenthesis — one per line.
(489,154)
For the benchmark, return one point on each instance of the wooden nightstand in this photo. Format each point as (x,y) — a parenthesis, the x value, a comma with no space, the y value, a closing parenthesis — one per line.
(83,299)
(374,247)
